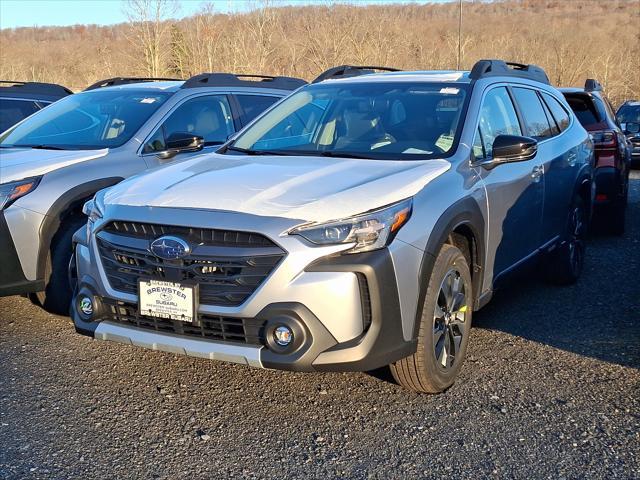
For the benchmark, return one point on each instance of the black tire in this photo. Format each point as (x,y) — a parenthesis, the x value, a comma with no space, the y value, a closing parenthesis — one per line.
(56,297)
(566,262)
(443,324)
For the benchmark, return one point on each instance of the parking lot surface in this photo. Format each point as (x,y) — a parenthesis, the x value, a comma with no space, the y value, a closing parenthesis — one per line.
(550,389)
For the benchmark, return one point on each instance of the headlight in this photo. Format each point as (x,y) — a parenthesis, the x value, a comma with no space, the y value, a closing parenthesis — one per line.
(369,231)
(12,191)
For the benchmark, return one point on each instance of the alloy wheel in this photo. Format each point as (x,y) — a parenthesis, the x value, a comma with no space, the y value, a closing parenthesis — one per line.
(449,319)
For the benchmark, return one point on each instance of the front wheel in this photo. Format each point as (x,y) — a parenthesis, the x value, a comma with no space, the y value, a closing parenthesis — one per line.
(444,329)
(56,297)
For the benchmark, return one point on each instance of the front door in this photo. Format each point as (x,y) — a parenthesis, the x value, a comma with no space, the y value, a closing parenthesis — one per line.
(514,190)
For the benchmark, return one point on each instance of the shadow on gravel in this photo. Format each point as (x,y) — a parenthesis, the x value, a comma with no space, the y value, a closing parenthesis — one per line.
(599,317)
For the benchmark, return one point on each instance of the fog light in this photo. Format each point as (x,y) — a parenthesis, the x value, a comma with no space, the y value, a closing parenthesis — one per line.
(85,306)
(283,335)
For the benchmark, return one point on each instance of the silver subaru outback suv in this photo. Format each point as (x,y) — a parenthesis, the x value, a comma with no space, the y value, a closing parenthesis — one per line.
(57,159)
(358,223)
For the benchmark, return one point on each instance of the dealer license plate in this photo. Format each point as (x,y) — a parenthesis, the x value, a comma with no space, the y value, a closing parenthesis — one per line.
(175,301)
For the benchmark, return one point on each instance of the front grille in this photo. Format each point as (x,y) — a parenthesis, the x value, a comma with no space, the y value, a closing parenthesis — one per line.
(228,329)
(228,266)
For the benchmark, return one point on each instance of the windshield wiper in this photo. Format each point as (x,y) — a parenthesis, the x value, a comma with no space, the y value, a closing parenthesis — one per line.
(332,153)
(256,152)
(41,147)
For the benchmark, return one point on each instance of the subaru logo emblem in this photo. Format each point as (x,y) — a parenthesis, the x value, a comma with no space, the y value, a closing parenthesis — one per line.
(169,248)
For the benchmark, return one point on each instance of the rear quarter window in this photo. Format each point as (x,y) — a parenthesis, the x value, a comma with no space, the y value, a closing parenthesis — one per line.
(560,115)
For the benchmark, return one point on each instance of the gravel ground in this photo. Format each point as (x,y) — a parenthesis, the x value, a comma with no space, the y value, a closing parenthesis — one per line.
(551,389)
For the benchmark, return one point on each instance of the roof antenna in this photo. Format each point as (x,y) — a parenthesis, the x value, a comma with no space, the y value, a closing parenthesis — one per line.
(459,35)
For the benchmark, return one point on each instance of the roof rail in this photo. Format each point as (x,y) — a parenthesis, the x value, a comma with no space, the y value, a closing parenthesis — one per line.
(51,89)
(500,68)
(592,85)
(241,80)
(111,82)
(344,71)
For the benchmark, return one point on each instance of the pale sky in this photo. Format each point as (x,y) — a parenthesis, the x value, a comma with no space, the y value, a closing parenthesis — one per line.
(29,13)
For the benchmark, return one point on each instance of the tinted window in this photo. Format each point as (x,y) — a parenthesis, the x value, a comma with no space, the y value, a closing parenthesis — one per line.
(254,105)
(557,110)
(533,112)
(208,117)
(584,109)
(386,120)
(629,114)
(12,111)
(91,120)
(497,117)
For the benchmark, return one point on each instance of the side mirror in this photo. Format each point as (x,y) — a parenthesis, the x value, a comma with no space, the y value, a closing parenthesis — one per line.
(180,142)
(511,148)
(631,127)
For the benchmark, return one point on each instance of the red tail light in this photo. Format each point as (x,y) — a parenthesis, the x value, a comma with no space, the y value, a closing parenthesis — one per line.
(605,138)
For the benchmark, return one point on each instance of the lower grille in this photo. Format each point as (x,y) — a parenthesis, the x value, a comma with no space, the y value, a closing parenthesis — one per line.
(211,327)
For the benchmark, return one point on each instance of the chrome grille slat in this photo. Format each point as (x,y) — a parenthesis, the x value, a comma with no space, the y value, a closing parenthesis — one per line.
(227,280)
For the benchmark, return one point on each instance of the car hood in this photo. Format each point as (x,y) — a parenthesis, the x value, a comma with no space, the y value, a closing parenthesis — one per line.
(19,163)
(296,187)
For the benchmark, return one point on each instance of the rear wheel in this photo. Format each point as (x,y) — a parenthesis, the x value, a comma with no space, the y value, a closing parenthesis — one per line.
(567,260)
(56,297)
(444,327)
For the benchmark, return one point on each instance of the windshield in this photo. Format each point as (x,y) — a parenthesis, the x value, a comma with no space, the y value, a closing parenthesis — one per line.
(390,120)
(91,120)
(629,114)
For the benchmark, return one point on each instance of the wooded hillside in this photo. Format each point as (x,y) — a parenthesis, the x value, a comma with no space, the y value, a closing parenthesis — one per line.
(571,39)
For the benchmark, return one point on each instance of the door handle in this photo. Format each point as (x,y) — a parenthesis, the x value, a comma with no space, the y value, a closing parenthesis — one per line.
(537,173)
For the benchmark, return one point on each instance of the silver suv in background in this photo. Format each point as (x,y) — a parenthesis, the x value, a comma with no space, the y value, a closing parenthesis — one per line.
(358,223)
(55,160)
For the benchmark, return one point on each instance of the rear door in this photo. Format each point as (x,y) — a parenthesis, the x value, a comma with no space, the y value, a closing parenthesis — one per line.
(561,170)
(556,158)
(514,191)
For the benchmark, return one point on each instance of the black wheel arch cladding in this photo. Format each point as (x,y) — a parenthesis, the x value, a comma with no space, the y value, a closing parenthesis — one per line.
(464,213)
(64,206)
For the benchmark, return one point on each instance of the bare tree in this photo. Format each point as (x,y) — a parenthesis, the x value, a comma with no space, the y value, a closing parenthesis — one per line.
(150,31)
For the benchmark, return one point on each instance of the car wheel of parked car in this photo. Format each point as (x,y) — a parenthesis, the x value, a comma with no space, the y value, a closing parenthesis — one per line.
(567,260)
(444,327)
(56,297)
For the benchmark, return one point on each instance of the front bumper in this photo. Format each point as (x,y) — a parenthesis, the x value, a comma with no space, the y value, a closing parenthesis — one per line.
(346,310)
(12,278)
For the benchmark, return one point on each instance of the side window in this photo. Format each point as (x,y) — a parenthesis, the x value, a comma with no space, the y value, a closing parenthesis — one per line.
(557,110)
(478,148)
(12,111)
(254,105)
(497,117)
(208,116)
(535,119)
